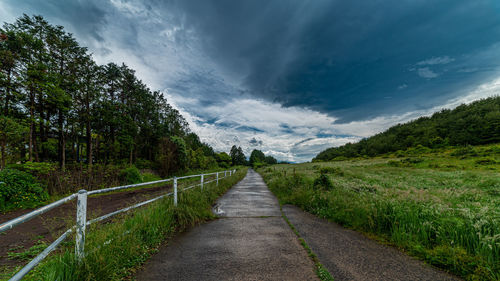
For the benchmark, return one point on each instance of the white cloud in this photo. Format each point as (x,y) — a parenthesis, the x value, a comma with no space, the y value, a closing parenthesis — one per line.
(436,60)
(427,73)
(402,87)
(279,130)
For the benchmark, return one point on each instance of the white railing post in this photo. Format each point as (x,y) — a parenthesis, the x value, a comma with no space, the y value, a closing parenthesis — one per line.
(202,181)
(81,223)
(225,173)
(175,191)
(230,172)
(217,178)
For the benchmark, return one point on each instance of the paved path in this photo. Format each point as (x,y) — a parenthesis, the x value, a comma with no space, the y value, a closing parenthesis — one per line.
(348,255)
(250,241)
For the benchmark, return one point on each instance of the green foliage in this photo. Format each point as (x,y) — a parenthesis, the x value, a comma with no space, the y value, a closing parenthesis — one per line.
(20,190)
(114,251)
(59,106)
(259,159)
(237,156)
(131,175)
(331,170)
(323,182)
(223,160)
(11,135)
(473,124)
(144,164)
(35,168)
(486,161)
(257,156)
(147,177)
(30,253)
(438,207)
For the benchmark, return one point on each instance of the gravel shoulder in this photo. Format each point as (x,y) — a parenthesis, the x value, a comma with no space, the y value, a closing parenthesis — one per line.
(348,255)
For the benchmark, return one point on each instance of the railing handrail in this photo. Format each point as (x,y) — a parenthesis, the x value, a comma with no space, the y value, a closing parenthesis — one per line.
(82,224)
(26,217)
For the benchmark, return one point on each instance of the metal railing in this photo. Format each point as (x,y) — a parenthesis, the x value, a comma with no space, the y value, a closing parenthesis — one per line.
(81,215)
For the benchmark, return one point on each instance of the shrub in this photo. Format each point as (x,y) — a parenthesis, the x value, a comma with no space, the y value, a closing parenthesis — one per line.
(131,175)
(20,190)
(146,177)
(323,182)
(485,161)
(144,164)
(465,151)
(332,170)
(257,165)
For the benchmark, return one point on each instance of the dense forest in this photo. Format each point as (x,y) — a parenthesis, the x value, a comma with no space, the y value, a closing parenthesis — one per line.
(58,106)
(473,124)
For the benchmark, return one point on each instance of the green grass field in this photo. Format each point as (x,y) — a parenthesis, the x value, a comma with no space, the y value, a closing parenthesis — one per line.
(442,206)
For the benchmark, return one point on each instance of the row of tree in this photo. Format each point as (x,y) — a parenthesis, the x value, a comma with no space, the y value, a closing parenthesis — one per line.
(473,124)
(58,105)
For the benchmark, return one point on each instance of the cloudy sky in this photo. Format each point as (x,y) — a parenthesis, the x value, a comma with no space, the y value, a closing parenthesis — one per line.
(292,77)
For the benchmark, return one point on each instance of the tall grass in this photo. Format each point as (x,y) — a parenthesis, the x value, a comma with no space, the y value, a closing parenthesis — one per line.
(115,250)
(451,219)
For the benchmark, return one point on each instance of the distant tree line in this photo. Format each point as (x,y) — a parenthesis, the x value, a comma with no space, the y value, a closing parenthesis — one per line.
(58,105)
(473,124)
(258,158)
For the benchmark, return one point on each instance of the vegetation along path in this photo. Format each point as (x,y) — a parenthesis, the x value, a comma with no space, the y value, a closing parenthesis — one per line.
(50,225)
(348,255)
(250,241)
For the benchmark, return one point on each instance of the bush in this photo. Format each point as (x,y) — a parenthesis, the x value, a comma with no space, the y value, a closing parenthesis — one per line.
(257,165)
(144,164)
(323,182)
(332,170)
(20,190)
(485,161)
(131,175)
(465,151)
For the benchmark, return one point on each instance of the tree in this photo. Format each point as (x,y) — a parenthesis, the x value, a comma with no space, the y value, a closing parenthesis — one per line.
(257,156)
(68,106)
(11,133)
(223,159)
(237,156)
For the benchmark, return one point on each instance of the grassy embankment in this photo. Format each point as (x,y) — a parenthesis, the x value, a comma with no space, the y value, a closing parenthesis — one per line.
(115,250)
(442,206)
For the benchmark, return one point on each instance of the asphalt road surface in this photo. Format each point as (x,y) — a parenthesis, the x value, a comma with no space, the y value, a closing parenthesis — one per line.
(250,241)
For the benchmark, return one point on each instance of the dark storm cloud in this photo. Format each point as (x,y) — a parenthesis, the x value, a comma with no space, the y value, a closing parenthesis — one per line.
(255,142)
(86,17)
(292,74)
(352,59)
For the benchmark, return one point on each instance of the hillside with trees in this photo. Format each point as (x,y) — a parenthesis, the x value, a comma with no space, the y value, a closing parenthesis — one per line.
(472,124)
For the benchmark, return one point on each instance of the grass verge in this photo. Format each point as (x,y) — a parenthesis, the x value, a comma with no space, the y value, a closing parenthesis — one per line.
(449,218)
(114,251)
(321,271)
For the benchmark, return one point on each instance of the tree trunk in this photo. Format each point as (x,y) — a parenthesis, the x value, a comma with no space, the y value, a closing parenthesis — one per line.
(131,155)
(7,97)
(32,117)
(2,148)
(62,141)
(89,145)
(35,147)
(42,128)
